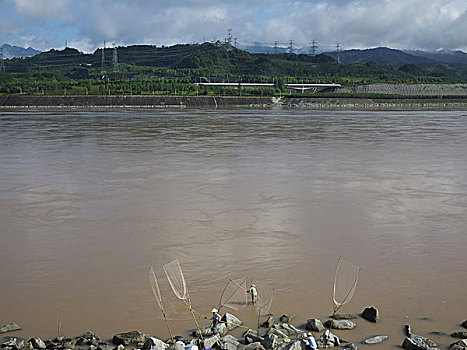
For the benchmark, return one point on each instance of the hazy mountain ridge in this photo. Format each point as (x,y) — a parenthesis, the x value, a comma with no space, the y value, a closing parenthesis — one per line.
(10,51)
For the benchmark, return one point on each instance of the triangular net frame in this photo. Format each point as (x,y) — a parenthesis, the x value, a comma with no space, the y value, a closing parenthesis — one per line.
(263,305)
(234,295)
(158,296)
(345,283)
(174,274)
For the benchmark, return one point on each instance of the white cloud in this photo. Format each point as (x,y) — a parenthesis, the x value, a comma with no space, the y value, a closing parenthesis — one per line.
(354,23)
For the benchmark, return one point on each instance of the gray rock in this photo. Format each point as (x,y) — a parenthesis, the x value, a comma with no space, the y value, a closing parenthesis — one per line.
(371,314)
(283,336)
(464,324)
(120,347)
(296,345)
(153,343)
(88,338)
(269,322)
(179,345)
(10,327)
(229,342)
(460,335)
(209,342)
(375,340)
(287,318)
(254,346)
(345,317)
(127,338)
(37,343)
(252,337)
(231,321)
(408,330)
(327,340)
(340,324)
(459,345)
(207,331)
(12,343)
(348,346)
(291,330)
(269,342)
(315,325)
(417,342)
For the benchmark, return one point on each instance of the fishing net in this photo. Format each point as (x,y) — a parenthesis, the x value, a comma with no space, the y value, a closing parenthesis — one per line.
(174,274)
(234,295)
(155,287)
(264,303)
(345,282)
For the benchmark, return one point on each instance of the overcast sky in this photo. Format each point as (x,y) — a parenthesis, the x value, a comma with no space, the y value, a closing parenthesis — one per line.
(85,24)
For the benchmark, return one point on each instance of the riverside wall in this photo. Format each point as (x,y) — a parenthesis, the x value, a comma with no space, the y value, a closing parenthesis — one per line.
(30,101)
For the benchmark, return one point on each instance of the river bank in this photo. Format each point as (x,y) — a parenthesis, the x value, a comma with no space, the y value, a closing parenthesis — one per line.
(272,334)
(21,102)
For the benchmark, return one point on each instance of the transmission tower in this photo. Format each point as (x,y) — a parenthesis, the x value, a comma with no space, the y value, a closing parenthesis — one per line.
(314,48)
(235,42)
(338,51)
(275,49)
(229,36)
(2,63)
(103,59)
(290,48)
(115,59)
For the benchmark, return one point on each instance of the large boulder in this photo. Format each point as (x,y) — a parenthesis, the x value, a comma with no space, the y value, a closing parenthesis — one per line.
(269,342)
(268,323)
(209,342)
(229,342)
(375,340)
(287,318)
(207,331)
(252,336)
(340,324)
(459,345)
(88,338)
(127,338)
(231,321)
(315,325)
(348,346)
(460,335)
(254,346)
(282,335)
(37,343)
(371,314)
(10,327)
(417,342)
(298,344)
(327,340)
(179,345)
(464,324)
(154,344)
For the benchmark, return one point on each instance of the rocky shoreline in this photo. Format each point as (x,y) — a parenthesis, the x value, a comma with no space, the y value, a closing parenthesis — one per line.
(274,334)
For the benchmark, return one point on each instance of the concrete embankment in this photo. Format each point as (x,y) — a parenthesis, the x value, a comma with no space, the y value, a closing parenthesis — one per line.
(132,101)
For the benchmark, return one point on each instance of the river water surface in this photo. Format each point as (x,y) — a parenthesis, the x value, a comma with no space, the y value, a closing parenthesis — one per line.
(90,200)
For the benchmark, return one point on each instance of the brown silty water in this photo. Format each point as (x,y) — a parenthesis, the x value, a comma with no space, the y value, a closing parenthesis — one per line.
(90,201)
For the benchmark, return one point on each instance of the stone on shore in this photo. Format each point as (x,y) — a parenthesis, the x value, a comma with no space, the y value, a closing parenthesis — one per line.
(348,346)
(315,325)
(231,321)
(287,318)
(254,346)
(296,345)
(375,340)
(340,324)
(37,343)
(209,342)
(127,338)
(252,337)
(269,342)
(345,317)
(464,324)
(459,345)
(229,342)
(460,335)
(88,338)
(417,342)
(371,314)
(179,345)
(269,322)
(153,343)
(327,340)
(282,335)
(207,331)
(10,327)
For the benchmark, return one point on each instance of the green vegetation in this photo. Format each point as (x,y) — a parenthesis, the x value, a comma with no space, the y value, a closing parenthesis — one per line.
(174,70)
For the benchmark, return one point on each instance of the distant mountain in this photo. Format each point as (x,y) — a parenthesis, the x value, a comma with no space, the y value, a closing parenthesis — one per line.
(442,56)
(380,55)
(16,51)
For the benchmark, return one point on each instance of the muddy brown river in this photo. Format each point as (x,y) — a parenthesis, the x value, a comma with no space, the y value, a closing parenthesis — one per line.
(89,201)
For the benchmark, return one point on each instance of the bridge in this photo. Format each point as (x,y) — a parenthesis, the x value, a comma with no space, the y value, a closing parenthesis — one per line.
(302,87)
